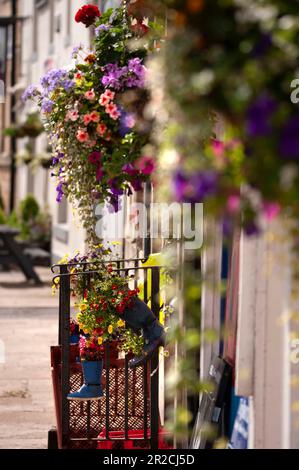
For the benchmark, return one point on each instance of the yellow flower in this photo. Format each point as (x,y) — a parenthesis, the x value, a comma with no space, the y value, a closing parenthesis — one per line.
(100,340)
(83,307)
(86,331)
(121,323)
(110,329)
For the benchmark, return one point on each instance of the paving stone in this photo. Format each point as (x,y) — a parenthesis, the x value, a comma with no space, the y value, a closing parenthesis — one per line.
(28,327)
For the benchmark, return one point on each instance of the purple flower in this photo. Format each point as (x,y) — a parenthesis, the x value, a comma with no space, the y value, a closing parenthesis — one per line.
(114,204)
(131,76)
(135,66)
(56,78)
(262,46)
(99,29)
(127,122)
(57,158)
(29,93)
(251,229)
(129,169)
(137,73)
(76,50)
(289,140)
(47,105)
(113,76)
(227,226)
(60,192)
(179,185)
(259,115)
(137,184)
(114,188)
(68,85)
(195,188)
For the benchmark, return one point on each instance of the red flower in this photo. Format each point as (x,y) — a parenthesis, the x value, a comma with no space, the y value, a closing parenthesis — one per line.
(87,14)
(139,28)
(109,268)
(120,308)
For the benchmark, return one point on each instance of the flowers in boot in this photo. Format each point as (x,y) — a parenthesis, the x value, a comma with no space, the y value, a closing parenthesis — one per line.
(101,306)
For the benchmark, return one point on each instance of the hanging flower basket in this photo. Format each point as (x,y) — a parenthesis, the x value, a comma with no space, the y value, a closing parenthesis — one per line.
(98,148)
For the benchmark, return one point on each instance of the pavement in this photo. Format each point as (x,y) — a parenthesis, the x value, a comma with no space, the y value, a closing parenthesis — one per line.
(28,327)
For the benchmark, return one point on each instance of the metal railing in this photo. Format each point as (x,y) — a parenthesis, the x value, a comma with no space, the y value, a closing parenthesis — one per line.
(150,387)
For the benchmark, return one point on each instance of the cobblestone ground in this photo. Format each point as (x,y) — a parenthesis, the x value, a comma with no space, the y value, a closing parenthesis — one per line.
(28,326)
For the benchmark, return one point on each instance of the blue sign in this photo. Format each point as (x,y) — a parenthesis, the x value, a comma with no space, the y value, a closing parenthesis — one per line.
(239,437)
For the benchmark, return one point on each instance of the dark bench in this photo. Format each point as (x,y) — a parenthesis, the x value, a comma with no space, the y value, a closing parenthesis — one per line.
(12,252)
(38,256)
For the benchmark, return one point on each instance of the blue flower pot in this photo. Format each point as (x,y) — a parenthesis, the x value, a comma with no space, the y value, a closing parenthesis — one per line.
(74,339)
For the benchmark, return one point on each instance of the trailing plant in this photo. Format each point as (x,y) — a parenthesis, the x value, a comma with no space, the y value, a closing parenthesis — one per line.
(228,117)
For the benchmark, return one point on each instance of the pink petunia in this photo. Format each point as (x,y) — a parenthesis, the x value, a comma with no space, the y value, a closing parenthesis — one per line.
(108,136)
(82,135)
(99,173)
(72,116)
(90,95)
(271,210)
(101,129)
(218,147)
(110,108)
(115,114)
(109,94)
(87,119)
(94,116)
(233,203)
(94,157)
(146,165)
(104,100)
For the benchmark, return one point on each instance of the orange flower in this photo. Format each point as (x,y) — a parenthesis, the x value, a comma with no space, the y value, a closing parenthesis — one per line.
(90,59)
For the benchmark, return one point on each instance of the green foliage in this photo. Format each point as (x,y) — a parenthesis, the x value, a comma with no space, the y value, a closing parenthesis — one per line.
(13,220)
(34,224)
(31,127)
(3,218)
(29,208)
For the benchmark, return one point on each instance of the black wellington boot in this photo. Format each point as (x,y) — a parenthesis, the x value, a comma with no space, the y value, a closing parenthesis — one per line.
(140,317)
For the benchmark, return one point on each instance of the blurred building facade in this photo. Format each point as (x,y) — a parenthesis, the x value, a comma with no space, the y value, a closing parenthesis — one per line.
(10,60)
(259,299)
